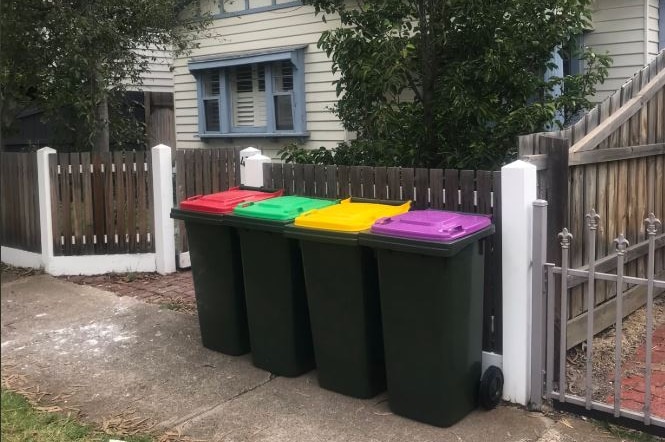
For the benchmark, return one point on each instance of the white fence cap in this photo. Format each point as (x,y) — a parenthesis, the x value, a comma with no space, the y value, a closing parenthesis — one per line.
(249,151)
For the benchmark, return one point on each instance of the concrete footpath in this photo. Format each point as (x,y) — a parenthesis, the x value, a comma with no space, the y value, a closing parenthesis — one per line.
(106,355)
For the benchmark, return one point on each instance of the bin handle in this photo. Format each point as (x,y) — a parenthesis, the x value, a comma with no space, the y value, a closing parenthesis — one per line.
(192,198)
(457,228)
(245,204)
(384,220)
(308,213)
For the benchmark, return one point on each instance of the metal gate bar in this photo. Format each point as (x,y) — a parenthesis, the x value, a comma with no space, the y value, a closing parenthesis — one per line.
(570,277)
(621,244)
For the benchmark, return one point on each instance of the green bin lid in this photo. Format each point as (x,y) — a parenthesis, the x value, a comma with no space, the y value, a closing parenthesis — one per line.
(283,209)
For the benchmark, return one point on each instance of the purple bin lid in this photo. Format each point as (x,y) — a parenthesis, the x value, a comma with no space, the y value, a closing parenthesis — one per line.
(431,225)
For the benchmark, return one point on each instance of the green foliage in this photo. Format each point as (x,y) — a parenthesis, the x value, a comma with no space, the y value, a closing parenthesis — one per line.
(352,153)
(67,57)
(453,82)
(22,423)
(293,153)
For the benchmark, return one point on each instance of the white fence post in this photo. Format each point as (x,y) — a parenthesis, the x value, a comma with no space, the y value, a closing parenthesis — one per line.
(254,170)
(518,192)
(244,155)
(162,190)
(44,190)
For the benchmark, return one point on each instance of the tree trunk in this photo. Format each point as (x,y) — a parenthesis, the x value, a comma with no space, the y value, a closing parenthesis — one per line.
(101,126)
(428,146)
(102,119)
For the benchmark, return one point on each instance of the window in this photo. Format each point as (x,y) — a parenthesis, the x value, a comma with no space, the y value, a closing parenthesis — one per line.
(251,95)
(239,7)
(571,53)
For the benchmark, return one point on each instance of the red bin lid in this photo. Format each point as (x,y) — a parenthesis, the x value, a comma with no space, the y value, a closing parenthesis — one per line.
(222,203)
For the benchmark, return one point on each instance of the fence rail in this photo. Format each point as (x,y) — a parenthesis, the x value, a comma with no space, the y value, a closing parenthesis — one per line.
(19,201)
(102,203)
(631,117)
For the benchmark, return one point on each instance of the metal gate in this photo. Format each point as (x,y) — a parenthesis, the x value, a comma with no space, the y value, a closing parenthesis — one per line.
(551,358)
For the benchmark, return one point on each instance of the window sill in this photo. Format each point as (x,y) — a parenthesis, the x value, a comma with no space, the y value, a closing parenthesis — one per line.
(256,10)
(256,135)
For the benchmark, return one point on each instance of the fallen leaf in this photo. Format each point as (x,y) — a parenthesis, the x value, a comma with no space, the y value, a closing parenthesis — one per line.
(566,423)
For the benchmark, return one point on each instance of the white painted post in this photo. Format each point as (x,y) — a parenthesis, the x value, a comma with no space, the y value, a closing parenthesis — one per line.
(518,192)
(45,220)
(254,170)
(244,155)
(162,191)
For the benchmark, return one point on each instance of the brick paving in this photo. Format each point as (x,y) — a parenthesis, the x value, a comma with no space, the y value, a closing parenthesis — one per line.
(175,290)
(633,384)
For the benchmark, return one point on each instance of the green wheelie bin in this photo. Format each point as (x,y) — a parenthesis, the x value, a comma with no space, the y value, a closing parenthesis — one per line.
(431,267)
(279,327)
(216,267)
(343,296)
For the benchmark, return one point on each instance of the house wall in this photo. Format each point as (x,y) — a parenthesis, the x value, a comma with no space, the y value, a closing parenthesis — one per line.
(158,78)
(270,29)
(619,29)
(653,38)
(661,25)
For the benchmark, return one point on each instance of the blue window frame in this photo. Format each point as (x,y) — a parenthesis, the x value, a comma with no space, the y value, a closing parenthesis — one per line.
(251,94)
(230,8)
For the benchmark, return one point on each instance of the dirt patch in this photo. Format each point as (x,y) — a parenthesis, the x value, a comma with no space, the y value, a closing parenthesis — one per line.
(179,304)
(633,337)
(11,273)
(174,291)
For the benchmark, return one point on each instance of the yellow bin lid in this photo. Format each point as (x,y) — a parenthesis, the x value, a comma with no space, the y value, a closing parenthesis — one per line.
(348,216)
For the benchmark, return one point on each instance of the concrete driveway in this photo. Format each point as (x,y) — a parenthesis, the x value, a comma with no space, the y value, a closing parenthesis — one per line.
(108,355)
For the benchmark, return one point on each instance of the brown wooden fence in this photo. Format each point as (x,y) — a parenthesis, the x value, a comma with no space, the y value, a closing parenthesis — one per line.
(450,189)
(203,171)
(472,191)
(102,203)
(614,162)
(19,201)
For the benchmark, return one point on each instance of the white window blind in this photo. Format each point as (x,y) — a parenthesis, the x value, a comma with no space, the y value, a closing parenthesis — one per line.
(248,101)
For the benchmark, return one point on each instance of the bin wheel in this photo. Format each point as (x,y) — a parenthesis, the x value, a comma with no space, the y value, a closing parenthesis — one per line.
(491,388)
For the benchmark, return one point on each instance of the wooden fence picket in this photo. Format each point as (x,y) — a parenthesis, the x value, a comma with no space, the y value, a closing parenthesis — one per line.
(19,203)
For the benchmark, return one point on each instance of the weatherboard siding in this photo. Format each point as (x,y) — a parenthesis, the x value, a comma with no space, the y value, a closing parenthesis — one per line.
(271,29)
(619,29)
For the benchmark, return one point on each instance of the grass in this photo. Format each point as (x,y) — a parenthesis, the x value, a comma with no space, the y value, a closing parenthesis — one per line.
(21,422)
(131,276)
(626,434)
(178,305)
